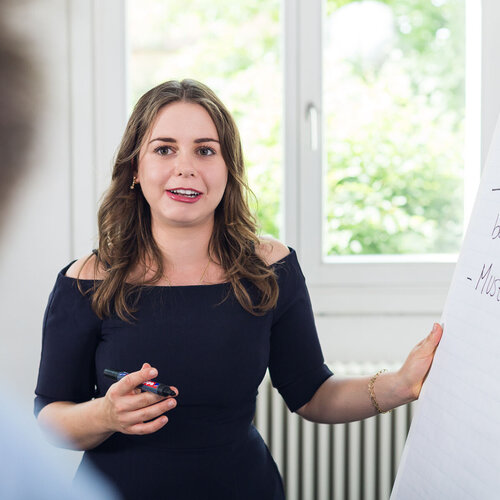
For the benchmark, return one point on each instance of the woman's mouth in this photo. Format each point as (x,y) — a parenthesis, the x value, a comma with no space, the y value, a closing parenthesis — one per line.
(185,195)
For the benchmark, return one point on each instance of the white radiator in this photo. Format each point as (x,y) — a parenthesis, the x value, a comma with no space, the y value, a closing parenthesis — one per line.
(355,461)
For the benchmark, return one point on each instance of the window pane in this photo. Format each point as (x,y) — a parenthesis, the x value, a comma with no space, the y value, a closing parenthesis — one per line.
(394,99)
(234,48)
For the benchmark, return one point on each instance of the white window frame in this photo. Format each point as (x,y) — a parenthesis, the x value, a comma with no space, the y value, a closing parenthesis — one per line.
(382,285)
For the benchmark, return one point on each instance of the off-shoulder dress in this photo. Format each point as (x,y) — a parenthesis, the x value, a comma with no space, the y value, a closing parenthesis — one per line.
(216,354)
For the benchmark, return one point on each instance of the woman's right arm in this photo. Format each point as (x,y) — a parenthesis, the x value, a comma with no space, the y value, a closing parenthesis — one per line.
(124,408)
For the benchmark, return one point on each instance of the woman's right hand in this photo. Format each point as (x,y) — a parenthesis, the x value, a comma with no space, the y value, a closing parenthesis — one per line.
(127,409)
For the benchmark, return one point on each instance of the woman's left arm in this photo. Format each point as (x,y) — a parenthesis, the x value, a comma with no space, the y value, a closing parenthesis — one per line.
(340,400)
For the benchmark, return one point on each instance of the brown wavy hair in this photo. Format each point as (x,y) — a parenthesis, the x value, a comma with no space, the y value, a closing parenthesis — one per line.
(124,217)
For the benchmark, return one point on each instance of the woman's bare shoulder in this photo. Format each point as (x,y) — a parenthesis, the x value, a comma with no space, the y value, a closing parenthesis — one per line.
(84,269)
(271,250)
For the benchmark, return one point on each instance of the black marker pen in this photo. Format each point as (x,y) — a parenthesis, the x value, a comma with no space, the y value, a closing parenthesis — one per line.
(150,386)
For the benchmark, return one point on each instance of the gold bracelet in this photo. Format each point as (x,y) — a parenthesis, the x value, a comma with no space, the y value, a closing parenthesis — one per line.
(372,394)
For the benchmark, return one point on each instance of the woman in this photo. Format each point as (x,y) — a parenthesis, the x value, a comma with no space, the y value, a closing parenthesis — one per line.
(183,289)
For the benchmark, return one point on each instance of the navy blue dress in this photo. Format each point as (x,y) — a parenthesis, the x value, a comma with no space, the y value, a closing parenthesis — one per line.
(215,353)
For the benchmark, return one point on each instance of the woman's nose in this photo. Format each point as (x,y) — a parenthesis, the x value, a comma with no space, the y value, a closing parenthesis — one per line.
(184,166)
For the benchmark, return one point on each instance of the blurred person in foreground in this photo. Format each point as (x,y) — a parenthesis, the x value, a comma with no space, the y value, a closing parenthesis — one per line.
(29,469)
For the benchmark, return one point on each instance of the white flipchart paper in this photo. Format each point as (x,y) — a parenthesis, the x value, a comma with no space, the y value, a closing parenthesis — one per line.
(453,448)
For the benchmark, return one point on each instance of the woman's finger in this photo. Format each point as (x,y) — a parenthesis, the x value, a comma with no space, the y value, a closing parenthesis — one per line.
(133,380)
(143,399)
(149,427)
(428,344)
(146,414)
(416,367)
(433,339)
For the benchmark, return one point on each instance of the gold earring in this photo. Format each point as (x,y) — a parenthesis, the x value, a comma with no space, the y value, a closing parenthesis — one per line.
(134,182)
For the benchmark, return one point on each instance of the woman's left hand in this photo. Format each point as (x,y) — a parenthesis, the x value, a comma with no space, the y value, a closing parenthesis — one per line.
(416,367)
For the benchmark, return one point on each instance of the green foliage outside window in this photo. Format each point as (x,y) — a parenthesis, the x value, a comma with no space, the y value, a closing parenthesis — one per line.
(395,137)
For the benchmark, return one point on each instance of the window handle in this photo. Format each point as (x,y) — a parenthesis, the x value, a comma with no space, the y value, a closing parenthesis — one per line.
(312,116)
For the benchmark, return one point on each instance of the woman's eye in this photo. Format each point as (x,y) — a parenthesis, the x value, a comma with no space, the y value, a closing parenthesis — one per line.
(163,150)
(206,151)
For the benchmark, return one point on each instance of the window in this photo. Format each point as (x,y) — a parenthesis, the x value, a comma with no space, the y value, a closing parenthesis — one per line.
(318,173)
(394,126)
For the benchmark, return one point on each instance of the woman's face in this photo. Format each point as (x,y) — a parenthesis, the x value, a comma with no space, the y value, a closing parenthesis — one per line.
(181,170)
